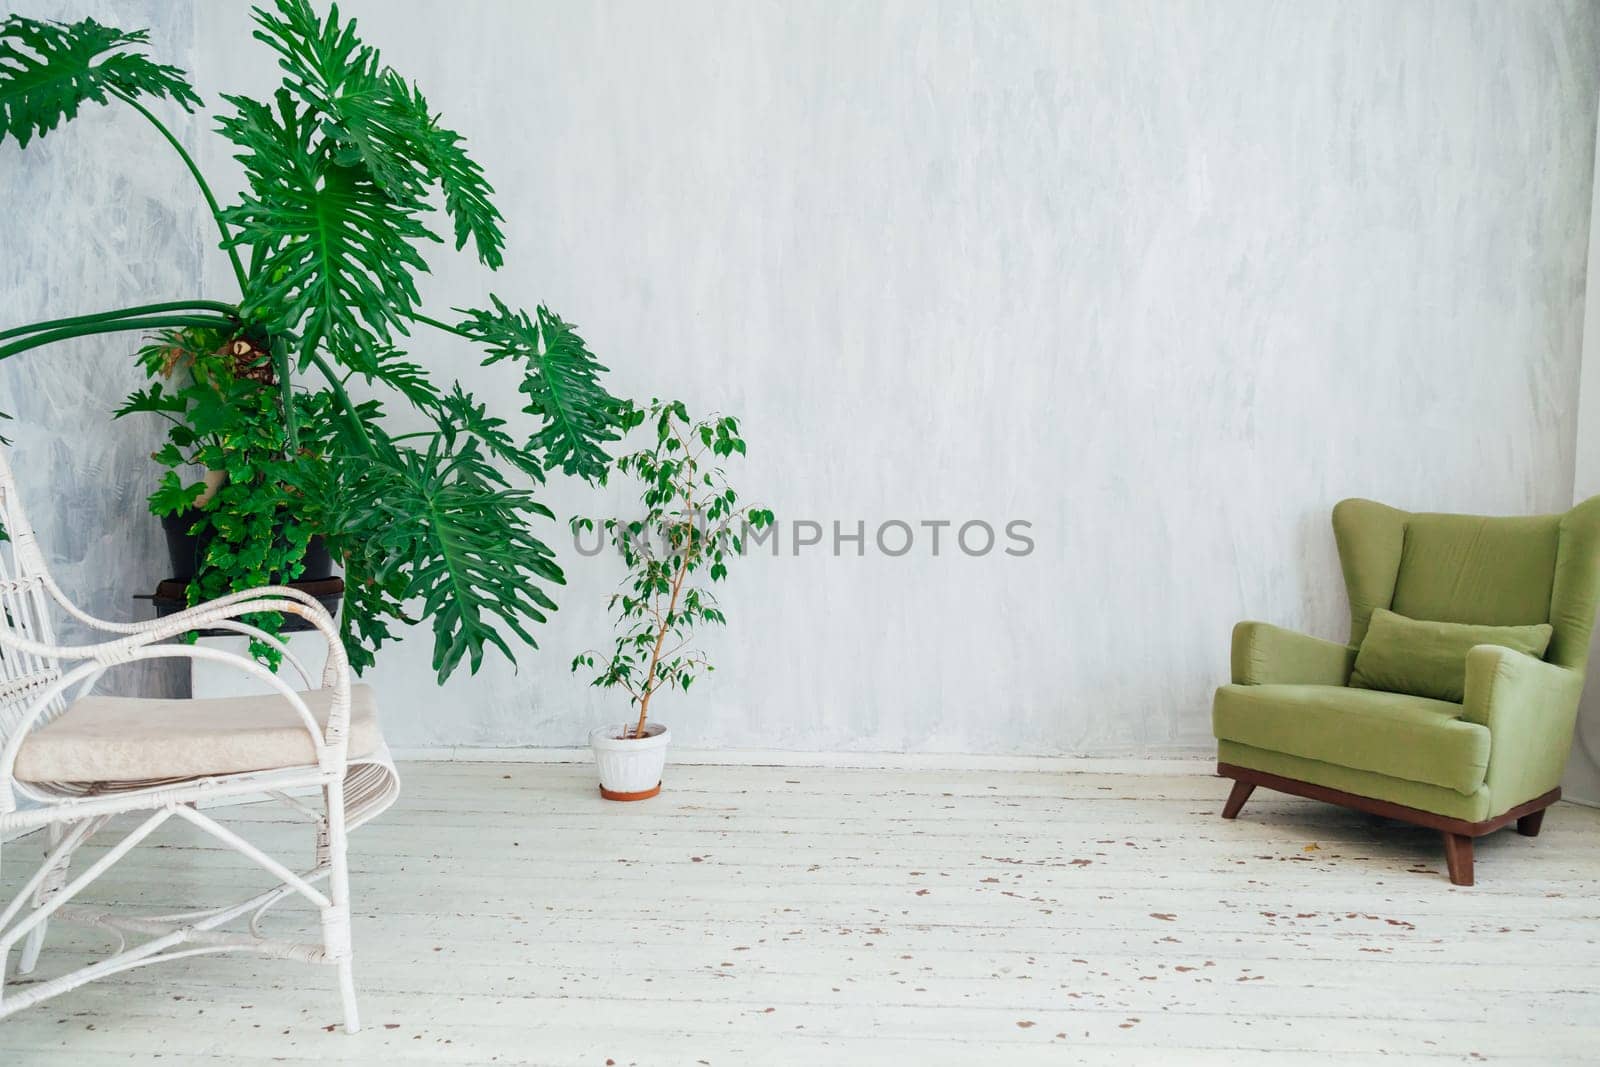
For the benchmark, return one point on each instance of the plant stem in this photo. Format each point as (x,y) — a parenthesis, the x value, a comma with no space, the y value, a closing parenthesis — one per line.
(120,313)
(280,367)
(437,325)
(661,634)
(114,326)
(194,170)
(341,396)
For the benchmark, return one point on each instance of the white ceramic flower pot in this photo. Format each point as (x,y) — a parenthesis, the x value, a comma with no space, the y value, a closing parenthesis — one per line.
(630,768)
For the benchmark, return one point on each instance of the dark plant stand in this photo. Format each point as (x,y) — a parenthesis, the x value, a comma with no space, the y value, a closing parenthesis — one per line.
(171,596)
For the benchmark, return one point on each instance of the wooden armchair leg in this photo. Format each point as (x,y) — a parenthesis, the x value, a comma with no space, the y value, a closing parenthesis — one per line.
(1528,825)
(1458,856)
(1236,797)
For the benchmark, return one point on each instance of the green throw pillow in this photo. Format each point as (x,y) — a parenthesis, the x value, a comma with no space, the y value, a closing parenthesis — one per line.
(1429,659)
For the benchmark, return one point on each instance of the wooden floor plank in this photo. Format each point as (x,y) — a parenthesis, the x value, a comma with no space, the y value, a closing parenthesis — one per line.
(507,914)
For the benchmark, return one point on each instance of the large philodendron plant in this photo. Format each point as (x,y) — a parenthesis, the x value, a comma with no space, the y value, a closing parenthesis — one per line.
(342,170)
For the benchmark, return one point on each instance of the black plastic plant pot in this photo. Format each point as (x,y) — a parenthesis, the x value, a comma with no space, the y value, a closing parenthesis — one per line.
(185,551)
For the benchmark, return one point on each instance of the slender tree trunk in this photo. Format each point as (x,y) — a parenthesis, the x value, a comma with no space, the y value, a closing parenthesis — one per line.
(661,634)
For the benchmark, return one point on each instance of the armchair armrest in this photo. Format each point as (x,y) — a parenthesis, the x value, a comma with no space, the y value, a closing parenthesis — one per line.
(1264,654)
(208,614)
(1530,707)
(277,592)
(225,608)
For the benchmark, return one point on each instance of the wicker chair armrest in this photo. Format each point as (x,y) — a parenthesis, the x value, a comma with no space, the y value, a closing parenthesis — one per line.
(280,592)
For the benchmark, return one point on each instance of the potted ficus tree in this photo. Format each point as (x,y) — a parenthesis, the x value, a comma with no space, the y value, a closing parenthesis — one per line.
(693,524)
(415,489)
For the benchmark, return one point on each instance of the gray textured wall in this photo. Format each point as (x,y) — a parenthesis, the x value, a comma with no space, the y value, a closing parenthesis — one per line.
(1583,772)
(1165,279)
(95,216)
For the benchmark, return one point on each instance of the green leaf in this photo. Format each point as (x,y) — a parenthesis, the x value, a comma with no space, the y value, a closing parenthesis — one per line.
(405,377)
(466,190)
(150,399)
(380,122)
(172,496)
(335,251)
(561,380)
(168,455)
(50,69)
(442,529)
(460,414)
(340,80)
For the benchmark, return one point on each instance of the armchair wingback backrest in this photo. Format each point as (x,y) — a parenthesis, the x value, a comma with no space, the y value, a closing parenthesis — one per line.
(1477,569)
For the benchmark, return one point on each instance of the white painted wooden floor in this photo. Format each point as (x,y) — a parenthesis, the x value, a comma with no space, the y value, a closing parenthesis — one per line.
(507,914)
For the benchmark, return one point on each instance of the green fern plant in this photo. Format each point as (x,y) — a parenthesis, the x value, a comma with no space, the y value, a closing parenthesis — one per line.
(343,168)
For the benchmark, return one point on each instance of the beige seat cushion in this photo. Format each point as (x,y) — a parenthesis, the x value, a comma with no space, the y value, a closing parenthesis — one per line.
(131,739)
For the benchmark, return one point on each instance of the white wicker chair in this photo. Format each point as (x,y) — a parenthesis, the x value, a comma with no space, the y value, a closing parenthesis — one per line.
(70,762)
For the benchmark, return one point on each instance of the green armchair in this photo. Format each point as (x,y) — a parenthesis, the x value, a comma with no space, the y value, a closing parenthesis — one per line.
(1291,720)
